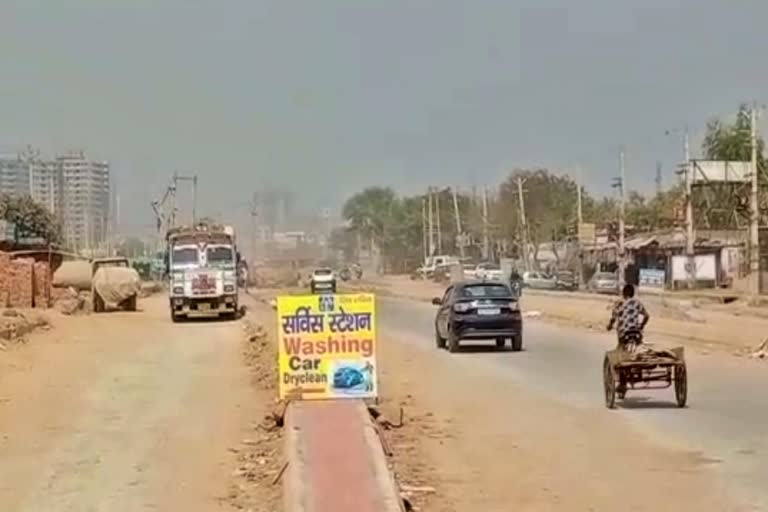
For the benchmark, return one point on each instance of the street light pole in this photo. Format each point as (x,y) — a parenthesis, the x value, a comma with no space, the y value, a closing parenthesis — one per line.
(622,253)
(754,213)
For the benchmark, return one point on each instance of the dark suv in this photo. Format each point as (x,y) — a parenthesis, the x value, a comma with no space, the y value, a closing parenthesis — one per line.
(477,310)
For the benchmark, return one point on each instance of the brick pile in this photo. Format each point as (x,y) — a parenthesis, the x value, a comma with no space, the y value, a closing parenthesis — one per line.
(42,284)
(5,271)
(24,283)
(21,283)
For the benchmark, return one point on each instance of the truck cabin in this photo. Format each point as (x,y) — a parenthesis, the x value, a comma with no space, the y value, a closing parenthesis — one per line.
(202,252)
(109,262)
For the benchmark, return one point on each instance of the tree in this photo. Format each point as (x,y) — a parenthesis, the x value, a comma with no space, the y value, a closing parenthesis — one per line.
(725,205)
(732,142)
(131,247)
(550,206)
(30,219)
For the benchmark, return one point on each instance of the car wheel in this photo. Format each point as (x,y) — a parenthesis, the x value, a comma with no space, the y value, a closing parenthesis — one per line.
(500,343)
(439,340)
(453,341)
(517,343)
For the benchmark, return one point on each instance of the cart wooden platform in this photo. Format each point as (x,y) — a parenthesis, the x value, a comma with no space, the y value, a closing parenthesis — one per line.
(644,367)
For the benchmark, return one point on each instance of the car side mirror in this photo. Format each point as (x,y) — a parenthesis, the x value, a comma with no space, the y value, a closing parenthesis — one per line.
(437,301)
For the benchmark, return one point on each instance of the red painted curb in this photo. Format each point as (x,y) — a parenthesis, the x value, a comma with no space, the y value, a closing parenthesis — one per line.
(335,460)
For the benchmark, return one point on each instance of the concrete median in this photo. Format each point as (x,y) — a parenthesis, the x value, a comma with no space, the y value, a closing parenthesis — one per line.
(335,460)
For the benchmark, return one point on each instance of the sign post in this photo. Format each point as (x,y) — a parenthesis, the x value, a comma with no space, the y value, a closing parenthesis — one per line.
(327,346)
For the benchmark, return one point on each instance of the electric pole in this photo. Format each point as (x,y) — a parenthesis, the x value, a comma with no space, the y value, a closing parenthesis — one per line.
(754,213)
(579,215)
(430,222)
(437,223)
(621,183)
(424,236)
(486,240)
(459,235)
(523,224)
(689,236)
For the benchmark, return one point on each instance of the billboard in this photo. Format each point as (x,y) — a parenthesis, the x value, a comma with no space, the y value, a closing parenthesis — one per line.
(651,278)
(327,346)
(709,171)
(587,233)
(701,267)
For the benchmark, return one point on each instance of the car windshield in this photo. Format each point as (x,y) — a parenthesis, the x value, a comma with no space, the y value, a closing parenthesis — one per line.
(323,272)
(484,290)
(604,276)
(185,256)
(220,256)
(490,266)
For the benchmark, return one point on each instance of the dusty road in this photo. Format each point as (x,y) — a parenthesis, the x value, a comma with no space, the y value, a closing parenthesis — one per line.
(530,428)
(123,412)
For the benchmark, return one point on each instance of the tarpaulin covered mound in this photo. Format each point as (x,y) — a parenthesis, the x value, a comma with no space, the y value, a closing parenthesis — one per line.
(73,274)
(115,284)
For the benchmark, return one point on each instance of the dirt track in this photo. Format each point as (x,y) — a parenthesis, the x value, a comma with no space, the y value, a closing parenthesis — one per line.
(124,412)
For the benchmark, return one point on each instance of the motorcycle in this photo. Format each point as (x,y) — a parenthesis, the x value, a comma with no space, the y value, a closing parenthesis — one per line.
(345,274)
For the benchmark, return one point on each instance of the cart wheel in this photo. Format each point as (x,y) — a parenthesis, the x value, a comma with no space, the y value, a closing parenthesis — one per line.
(609,383)
(681,385)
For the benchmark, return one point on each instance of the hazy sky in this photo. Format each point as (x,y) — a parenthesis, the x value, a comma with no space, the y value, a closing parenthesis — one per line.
(332,95)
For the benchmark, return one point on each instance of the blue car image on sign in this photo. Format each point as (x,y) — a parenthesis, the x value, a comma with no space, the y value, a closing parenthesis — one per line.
(353,378)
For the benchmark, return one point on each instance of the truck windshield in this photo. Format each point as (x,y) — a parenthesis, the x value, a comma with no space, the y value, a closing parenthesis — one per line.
(185,256)
(220,256)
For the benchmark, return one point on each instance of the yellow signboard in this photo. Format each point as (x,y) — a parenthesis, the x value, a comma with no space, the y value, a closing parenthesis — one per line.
(327,346)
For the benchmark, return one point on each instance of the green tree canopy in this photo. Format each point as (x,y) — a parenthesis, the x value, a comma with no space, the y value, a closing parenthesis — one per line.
(30,219)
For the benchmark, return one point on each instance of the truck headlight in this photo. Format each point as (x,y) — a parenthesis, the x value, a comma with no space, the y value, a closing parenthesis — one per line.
(229,288)
(178,290)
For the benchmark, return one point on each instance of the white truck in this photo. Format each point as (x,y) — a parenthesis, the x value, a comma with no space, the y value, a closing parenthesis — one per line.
(202,264)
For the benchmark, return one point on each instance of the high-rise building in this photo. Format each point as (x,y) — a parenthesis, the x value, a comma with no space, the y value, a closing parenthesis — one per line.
(85,194)
(46,186)
(14,176)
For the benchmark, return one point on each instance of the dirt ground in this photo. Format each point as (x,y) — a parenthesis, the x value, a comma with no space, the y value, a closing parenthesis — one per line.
(485,444)
(129,412)
(733,329)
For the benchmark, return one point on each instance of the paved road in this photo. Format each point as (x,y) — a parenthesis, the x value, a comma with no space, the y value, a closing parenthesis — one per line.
(725,421)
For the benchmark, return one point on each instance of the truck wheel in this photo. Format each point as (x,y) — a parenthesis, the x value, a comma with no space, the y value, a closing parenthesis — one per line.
(453,341)
(174,317)
(517,343)
(98,303)
(132,303)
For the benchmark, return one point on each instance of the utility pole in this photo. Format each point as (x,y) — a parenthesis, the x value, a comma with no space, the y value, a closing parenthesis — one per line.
(486,241)
(754,214)
(430,222)
(622,254)
(658,179)
(523,224)
(437,223)
(459,235)
(424,236)
(689,236)
(579,215)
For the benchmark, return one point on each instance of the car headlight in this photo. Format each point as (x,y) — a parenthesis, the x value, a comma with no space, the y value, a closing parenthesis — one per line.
(514,306)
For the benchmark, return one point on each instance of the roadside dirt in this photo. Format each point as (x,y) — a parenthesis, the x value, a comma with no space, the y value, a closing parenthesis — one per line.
(256,479)
(700,327)
(484,444)
(128,412)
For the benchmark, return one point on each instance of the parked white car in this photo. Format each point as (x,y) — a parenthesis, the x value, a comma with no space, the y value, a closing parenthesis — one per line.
(539,281)
(489,272)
